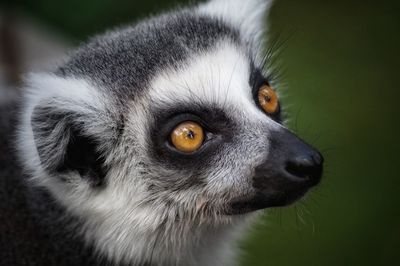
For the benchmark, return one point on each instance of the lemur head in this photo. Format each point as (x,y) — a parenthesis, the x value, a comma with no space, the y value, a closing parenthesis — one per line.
(169,125)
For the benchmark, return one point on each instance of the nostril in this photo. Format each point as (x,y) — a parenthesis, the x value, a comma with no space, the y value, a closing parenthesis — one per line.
(309,168)
(300,167)
(317,158)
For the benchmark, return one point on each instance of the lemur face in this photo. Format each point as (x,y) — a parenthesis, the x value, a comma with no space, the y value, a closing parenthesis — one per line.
(214,138)
(172,121)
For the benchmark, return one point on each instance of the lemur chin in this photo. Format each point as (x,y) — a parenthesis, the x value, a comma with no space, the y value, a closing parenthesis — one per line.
(153,144)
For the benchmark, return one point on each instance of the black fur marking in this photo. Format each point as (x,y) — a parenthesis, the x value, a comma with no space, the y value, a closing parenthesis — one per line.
(81,155)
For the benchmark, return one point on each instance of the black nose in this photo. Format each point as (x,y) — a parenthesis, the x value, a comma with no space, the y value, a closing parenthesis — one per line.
(306,165)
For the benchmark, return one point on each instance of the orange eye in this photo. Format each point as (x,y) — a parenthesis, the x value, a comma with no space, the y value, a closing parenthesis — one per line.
(268,99)
(187,137)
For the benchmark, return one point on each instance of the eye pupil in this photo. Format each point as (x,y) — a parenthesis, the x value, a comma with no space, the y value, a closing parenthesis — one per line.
(267,98)
(190,134)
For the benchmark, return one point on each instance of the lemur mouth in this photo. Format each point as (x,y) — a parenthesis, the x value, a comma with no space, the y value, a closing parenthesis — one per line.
(291,169)
(259,200)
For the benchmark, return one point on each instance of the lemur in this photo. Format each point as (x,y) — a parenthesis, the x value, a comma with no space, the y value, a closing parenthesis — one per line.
(153,144)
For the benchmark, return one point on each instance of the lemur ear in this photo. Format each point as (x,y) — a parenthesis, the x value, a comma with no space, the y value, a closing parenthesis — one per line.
(67,126)
(64,146)
(248,15)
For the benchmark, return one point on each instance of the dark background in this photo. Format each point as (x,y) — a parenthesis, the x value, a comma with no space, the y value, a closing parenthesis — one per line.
(341,69)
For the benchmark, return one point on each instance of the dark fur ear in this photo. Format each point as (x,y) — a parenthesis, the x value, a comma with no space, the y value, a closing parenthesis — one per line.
(64,145)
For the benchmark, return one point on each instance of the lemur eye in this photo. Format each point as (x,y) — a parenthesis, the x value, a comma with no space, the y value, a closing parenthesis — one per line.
(187,137)
(268,99)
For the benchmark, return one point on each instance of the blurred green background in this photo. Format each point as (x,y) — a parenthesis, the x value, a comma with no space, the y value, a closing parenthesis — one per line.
(342,72)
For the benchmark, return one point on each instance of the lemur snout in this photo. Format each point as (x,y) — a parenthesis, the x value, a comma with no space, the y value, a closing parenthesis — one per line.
(291,168)
(290,160)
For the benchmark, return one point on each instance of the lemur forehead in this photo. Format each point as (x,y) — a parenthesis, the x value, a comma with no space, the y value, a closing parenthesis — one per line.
(125,61)
(218,77)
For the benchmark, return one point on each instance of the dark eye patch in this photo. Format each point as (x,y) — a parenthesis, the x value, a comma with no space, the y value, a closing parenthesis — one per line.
(218,127)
